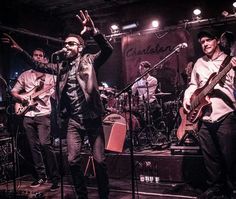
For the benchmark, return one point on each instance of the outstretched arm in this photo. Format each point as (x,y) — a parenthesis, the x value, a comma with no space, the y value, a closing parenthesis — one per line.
(7,39)
(47,68)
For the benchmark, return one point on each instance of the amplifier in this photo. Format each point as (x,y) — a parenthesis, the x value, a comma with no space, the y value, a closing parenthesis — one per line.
(5,148)
(6,163)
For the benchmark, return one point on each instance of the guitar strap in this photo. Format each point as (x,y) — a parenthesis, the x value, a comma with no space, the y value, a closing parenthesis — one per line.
(41,80)
(223,64)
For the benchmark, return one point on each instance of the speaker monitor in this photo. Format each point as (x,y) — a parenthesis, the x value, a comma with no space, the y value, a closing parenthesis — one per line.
(115,134)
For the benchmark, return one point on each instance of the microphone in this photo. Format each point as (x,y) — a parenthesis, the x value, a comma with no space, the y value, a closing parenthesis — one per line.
(180,46)
(63,50)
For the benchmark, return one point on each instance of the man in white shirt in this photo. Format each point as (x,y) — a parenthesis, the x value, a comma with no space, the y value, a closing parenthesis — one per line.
(35,106)
(145,88)
(217,126)
(146,85)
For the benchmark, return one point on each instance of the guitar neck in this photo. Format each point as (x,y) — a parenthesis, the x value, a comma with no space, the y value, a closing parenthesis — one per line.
(216,80)
(211,85)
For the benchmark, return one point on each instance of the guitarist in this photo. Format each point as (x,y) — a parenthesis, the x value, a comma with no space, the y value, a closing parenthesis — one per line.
(217,129)
(36,120)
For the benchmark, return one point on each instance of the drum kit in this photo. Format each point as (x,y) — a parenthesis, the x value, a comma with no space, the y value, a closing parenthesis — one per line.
(150,127)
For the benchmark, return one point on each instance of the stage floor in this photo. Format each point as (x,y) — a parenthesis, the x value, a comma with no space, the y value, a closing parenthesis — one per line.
(119,189)
(179,176)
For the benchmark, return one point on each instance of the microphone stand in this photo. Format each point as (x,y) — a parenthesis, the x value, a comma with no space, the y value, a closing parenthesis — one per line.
(129,91)
(178,93)
(57,96)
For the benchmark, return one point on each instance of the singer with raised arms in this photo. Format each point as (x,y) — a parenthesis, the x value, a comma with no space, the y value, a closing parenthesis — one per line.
(210,106)
(80,95)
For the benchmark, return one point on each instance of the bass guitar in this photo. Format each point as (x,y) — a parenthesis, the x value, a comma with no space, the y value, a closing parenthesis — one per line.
(199,100)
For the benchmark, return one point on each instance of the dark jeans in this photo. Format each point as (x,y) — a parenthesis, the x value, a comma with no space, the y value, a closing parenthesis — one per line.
(38,134)
(75,136)
(218,144)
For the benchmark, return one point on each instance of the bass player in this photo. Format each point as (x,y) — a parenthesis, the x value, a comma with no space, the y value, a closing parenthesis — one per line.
(210,98)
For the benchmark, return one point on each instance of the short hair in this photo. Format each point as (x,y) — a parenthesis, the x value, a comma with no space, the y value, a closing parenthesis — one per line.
(81,41)
(39,49)
(145,64)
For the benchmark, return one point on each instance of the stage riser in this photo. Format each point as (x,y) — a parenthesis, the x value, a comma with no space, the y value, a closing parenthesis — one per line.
(182,168)
(169,168)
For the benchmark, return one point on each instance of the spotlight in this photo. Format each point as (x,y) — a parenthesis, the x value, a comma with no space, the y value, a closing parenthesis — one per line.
(225,13)
(197,14)
(130,26)
(114,28)
(104,84)
(155,23)
(234,7)
(234,4)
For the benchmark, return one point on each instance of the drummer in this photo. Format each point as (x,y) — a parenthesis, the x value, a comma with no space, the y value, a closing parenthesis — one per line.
(146,87)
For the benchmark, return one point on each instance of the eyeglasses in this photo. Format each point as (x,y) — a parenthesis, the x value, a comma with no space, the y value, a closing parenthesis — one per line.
(71,43)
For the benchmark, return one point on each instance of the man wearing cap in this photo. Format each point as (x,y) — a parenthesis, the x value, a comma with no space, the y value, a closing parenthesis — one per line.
(217,126)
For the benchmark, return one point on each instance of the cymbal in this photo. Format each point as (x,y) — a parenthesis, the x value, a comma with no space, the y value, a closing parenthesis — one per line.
(161,94)
(144,86)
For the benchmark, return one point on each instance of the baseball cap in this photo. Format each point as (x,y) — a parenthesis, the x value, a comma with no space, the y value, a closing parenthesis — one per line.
(211,33)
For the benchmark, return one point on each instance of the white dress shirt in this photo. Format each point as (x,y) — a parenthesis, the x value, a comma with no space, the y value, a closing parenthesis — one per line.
(202,70)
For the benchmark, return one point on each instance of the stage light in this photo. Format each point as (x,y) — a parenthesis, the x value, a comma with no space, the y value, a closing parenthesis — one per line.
(197,14)
(130,26)
(225,13)
(155,23)
(114,28)
(234,7)
(234,4)
(104,84)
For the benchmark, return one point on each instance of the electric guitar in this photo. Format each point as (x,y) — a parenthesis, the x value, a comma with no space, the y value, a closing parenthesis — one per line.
(199,100)
(31,97)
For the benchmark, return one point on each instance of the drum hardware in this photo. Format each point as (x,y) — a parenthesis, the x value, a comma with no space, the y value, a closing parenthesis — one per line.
(107,89)
(90,160)
(103,96)
(147,86)
(154,136)
(162,94)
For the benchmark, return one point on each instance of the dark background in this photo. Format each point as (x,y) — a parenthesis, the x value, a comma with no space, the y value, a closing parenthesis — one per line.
(44,23)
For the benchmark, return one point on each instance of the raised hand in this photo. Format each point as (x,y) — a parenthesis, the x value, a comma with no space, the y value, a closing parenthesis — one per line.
(7,39)
(86,20)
